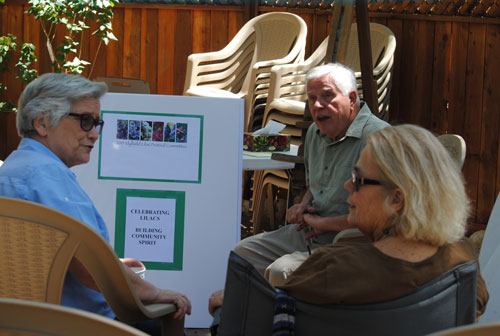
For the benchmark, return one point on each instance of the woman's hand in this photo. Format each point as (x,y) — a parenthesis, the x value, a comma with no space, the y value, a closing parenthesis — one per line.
(131,262)
(316,223)
(180,300)
(149,293)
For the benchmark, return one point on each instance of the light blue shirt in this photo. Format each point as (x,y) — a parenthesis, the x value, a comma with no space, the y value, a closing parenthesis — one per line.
(34,173)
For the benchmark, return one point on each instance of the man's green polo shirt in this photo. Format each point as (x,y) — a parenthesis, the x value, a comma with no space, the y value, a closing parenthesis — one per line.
(329,162)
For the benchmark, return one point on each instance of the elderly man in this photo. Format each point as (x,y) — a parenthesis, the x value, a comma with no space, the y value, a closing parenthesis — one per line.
(333,145)
(58,120)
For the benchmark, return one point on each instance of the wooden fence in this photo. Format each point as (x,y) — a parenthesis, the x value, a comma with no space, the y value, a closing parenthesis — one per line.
(444,78)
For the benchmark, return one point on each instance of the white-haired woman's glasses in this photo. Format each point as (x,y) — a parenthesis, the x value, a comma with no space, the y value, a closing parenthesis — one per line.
(87,122)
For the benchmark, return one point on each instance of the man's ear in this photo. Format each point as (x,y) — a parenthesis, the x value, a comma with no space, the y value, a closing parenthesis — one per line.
(40,125)
(397,199)
(353,97)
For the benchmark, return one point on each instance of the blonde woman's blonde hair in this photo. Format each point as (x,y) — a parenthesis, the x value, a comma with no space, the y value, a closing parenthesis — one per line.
(412,159)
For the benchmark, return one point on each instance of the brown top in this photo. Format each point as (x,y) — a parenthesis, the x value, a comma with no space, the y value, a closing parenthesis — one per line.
(357,273)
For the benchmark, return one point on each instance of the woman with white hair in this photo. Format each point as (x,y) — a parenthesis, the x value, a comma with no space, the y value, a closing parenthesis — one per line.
(59,121)
(409,200)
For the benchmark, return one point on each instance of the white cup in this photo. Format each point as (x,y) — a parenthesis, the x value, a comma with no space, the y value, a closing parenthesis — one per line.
(140,271)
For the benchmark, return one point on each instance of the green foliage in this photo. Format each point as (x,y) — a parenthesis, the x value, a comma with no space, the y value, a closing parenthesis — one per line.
(75,16)
(26,58)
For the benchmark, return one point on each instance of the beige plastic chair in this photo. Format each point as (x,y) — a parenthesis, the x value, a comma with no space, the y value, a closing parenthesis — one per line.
(22,317)
(241,69)
(476,329)
(287,91)
(125,85)
(455,145)
(37,244)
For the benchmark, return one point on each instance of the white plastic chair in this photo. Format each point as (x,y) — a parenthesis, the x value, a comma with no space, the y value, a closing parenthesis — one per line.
(455,145)
(40,318)
(287,91)
(241,69)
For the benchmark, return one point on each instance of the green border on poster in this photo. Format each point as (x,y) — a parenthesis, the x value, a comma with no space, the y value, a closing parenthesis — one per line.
(120,223)
(146,179)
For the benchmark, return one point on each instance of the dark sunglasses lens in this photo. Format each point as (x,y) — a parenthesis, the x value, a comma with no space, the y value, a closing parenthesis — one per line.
(87,122)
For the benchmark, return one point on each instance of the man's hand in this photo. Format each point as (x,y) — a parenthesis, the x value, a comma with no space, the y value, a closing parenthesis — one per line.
(294,215)
(321,225)
(215,301)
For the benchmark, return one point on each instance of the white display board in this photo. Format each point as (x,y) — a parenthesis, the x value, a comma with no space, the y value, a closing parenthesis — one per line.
(166,177)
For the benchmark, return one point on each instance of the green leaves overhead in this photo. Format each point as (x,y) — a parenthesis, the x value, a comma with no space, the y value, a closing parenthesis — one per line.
(76,16)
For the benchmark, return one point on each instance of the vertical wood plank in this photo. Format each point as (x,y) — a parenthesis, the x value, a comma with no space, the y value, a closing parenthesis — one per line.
(458,66)
(114,51)
(490,126)
(166,44)
(473,111)
(408,60)
(235,22)
(320,31)
(182,50)
(97,54)
(440,81)
(417,71)
(132,43)
(149,47)
(44,59)
(219,30)
(423,71)
(83,51)
(31,34)
(308,18)
(201,31)
(474,87)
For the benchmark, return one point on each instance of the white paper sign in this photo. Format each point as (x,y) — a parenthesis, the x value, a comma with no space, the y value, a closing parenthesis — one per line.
(150,229)
(131,141)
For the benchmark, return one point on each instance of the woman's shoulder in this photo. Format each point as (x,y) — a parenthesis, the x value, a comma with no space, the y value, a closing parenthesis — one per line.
(461,251)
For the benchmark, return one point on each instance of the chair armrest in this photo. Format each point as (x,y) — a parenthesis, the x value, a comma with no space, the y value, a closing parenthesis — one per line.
(155,310)
(287,158)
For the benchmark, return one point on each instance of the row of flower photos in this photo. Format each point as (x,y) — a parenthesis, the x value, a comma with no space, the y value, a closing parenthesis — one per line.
(151,131)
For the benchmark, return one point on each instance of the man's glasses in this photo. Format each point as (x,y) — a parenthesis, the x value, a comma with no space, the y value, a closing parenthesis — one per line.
(87,122)
(358,181)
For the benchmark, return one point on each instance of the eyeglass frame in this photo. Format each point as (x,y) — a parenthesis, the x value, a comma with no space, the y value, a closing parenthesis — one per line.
(97,123)
(358,181)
